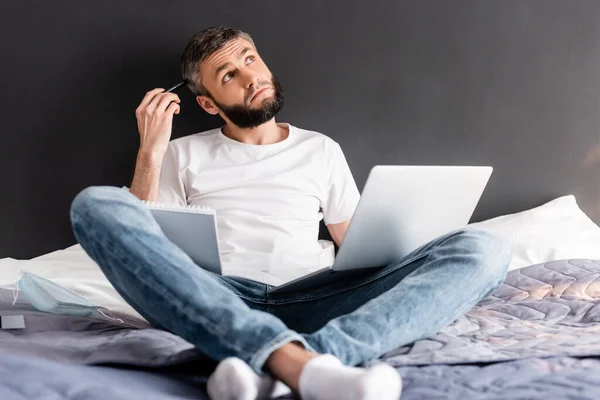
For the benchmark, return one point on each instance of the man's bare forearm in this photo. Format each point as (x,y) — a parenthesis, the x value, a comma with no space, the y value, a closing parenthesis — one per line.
(146,176)
(155,122)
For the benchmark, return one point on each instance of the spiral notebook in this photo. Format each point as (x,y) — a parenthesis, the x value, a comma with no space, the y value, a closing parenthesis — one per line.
(191,228)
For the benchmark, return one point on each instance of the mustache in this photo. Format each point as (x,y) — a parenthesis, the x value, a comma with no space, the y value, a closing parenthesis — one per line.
(251,94)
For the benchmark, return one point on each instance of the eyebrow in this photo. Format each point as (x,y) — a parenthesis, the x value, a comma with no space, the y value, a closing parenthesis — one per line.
(227,65)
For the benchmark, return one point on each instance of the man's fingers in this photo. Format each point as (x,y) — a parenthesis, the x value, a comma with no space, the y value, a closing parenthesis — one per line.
(173,108)
(149,97)
(154,104)
(166,99)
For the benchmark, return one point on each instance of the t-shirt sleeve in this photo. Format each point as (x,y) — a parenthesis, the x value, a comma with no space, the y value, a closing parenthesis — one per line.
(170,187)
(341,194)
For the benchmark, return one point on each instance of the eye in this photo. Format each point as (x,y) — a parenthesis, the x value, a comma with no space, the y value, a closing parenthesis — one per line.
(251,58)
(227,77)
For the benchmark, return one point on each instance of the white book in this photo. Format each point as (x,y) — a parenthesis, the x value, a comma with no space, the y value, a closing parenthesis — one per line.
(193,229)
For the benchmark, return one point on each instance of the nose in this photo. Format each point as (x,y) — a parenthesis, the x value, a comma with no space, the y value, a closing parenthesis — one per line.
(249,78)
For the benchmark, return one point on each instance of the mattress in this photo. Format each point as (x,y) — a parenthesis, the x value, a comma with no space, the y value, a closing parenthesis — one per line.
(536,336)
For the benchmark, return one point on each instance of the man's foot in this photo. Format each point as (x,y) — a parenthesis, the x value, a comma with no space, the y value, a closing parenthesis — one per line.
(322,378)
(325,377)
(233,379)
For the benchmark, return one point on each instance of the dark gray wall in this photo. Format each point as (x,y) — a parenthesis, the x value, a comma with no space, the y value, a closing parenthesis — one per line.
(512,84)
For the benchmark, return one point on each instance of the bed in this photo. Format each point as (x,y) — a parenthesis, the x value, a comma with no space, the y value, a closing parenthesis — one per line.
(536,336)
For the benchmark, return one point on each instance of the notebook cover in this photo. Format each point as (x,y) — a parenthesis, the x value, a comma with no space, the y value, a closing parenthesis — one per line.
(195,233)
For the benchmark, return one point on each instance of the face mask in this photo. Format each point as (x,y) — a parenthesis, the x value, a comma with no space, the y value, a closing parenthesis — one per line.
(47,296)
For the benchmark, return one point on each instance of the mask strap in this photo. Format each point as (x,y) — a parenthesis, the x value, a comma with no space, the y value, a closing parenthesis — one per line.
(111,318)
(15,293)
(16,289)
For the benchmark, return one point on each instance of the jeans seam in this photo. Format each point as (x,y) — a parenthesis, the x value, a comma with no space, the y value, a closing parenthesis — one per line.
(241,296)
(341,290)
(236,291)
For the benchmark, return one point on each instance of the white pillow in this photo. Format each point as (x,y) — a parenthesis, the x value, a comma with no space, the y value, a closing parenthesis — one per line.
(73,269)
(556,230)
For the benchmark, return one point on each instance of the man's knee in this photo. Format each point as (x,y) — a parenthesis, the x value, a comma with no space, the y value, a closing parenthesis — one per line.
(493,252)
(94,197)
(94,206)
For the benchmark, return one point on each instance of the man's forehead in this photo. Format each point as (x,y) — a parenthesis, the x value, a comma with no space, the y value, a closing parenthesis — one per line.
(221,56)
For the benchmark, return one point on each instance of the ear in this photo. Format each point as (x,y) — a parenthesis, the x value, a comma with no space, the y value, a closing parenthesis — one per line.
(207,104)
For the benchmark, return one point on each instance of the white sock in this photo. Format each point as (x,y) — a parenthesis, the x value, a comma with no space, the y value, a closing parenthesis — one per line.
(233,379)
(325,377)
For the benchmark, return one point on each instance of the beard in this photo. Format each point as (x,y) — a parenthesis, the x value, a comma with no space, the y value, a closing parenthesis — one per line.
(247,117)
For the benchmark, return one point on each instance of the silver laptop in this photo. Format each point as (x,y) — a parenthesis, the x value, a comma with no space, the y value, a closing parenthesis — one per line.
(401,208)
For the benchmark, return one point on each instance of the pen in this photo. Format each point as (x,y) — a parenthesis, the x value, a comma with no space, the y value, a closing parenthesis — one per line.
(180,84)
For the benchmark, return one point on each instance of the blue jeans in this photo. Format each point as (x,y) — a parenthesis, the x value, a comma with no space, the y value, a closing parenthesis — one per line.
(357,319)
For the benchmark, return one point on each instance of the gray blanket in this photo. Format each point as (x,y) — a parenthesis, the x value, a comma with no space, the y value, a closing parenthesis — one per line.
(540,311)
(85,340)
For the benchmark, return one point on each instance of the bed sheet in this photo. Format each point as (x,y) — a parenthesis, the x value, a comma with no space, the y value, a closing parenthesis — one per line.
(524,336)
(73,269)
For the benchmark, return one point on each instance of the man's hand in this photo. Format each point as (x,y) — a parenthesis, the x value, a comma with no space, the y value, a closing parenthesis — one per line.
(155,122)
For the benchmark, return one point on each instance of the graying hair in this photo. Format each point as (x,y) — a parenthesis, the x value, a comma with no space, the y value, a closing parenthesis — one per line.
(200,47)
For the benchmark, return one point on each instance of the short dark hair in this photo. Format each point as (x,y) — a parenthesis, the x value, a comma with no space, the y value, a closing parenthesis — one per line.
(200,47)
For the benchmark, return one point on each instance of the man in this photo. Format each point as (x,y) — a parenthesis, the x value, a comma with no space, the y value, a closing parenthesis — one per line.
(271,184)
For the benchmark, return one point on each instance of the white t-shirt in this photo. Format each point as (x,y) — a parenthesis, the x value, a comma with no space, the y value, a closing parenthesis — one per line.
(269,199)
